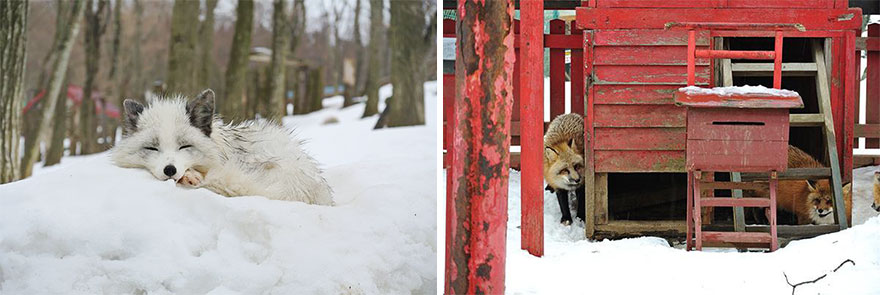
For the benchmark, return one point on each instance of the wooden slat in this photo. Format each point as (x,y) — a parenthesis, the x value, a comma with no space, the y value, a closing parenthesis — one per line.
(639,161)
(742,156)
(658,139)
(806,120)
(867,130)
(630,74)
(766,69)
(704,125)
(735,185)
(557,72)
(657,18)
(789,4)
(796,231)
(731,202)
(660,3)
(792,173)
(729,237)
(824,97)
(647,38)
(644,55)
(635,94)
(639,116)
(601,188)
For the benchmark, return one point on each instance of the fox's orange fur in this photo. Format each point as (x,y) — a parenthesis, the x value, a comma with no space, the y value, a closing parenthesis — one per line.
(810,202)
(564,152)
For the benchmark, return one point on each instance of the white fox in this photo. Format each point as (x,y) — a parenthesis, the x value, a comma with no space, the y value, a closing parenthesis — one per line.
(181,139)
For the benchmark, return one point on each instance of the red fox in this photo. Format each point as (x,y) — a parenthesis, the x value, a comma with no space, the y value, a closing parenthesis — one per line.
(564,162)
(810,201)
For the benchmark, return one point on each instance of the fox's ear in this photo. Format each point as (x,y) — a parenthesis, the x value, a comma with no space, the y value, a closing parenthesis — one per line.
(201,111)
(133,110)
(811,185)
(571,144)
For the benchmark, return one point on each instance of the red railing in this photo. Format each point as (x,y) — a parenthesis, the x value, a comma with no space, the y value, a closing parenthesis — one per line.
(870,131)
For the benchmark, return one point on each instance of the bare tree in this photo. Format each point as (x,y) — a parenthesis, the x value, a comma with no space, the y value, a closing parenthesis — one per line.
(13,26)
(59,130)
(411,38)
(60,57)
(206,46)
(236,69)
(136,61)
(372,83)
(280,38)
(96,23)
(182,59)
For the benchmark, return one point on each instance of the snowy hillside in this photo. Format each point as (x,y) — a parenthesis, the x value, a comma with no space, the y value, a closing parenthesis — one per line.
(89,227)
(648,265)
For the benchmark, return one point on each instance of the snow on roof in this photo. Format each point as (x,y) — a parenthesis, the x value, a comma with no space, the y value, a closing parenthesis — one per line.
(738,90)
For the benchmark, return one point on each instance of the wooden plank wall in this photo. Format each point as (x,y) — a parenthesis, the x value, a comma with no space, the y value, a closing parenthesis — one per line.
(637,127)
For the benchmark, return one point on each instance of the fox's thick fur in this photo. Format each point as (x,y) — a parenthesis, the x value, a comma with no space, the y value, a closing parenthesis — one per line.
(810,201)
(564,162)
(181,139)
(876,204)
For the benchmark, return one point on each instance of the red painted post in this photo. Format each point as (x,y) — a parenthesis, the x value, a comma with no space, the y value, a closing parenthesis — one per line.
(577,73)
(872,87)
(476,213)
(532,125)
(692,46)
(557,72)
(777,61)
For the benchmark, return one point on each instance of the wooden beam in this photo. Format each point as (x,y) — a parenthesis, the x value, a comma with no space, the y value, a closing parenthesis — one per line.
(792,174)
(806,120)
(601,206)
(532,120)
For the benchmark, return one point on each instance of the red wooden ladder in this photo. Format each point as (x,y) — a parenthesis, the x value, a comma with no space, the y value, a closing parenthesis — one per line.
(741,131)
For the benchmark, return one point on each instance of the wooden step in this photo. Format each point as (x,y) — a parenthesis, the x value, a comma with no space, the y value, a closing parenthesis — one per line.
(735,202)
(766,69)
(806,120)
(731,237)
(792,173)
(707,185)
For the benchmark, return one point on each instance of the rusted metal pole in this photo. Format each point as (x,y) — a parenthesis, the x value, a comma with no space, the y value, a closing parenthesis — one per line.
(532,125)
(476,219)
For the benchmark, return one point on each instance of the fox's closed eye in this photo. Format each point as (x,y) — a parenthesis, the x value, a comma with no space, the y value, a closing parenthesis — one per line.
(151,148)
(185,146)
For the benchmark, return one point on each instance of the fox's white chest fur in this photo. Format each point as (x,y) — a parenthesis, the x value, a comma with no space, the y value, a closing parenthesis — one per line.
(181,140)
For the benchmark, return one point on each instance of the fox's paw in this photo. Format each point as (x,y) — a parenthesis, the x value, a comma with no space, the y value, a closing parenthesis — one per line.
(191,178)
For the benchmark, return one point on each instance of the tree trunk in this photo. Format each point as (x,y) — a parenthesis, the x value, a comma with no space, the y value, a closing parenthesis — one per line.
(206,47)
(312,100)
(409,43)
(276,109)
(87,116)
(372,83)
(236,69)
(54,86)
(13,29)
(59,131)
(182,58)
(138,84)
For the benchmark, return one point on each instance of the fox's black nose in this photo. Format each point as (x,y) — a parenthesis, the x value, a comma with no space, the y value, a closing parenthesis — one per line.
(170,170)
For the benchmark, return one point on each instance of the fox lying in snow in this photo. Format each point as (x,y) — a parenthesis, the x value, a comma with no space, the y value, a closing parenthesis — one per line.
(182,140)
(564,162)
(809,200)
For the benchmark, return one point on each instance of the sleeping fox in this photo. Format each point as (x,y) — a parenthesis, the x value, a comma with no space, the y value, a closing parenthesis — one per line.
(809,200)
(564,162)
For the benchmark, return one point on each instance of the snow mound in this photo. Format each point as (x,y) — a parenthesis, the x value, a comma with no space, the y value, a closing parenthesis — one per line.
(649,265)
(88,227)
(738,90)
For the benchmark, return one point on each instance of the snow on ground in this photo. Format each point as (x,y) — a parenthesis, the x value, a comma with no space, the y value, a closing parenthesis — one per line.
(89,227)
(648,265)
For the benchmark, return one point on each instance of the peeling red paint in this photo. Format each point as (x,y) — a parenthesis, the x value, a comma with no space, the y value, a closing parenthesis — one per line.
(477,205)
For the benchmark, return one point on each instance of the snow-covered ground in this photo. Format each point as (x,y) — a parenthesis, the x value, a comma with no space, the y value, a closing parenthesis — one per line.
(89,227)
(648,265)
